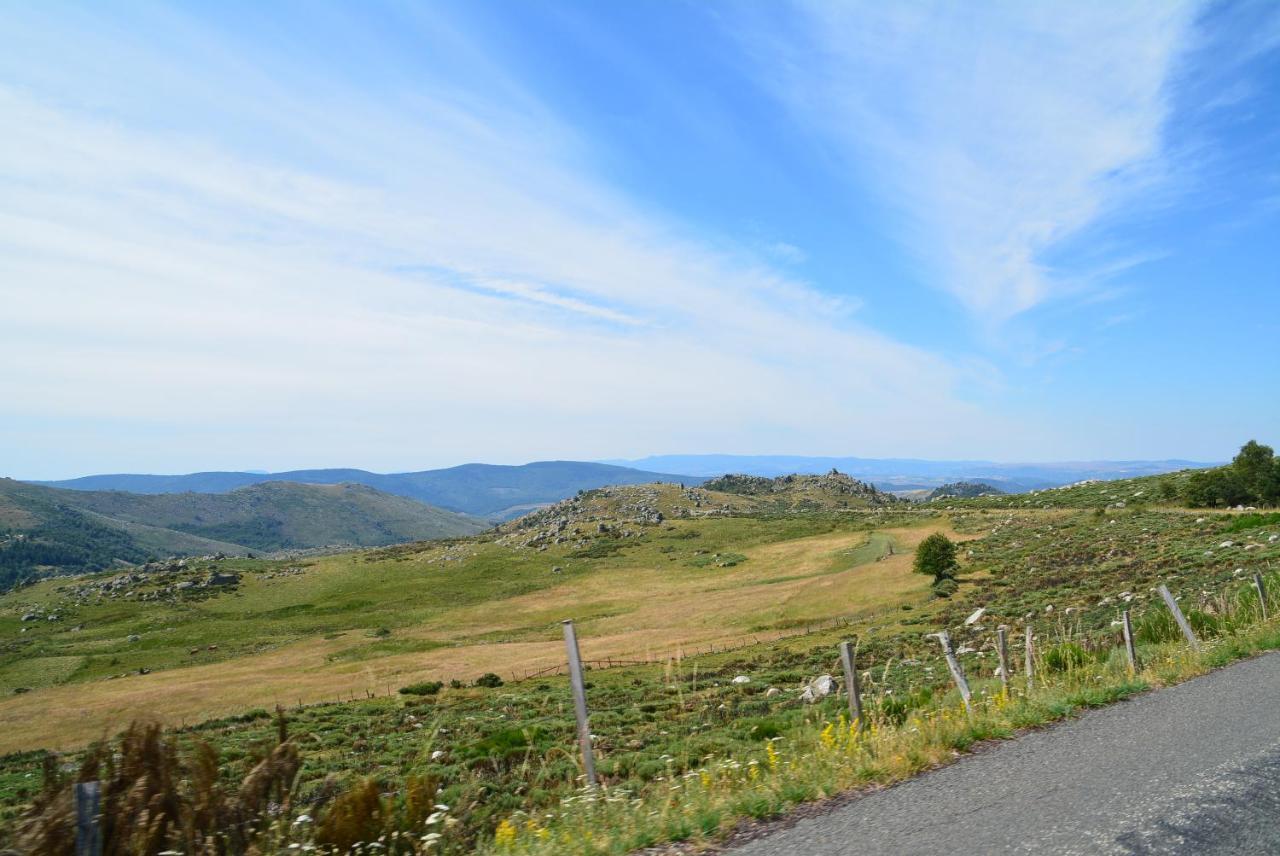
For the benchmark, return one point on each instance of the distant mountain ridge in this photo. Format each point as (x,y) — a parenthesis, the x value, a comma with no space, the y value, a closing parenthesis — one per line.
(491,491)
(903,473)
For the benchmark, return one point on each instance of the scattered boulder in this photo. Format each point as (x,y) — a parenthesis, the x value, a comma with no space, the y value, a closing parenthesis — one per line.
(742,679)
(820,687)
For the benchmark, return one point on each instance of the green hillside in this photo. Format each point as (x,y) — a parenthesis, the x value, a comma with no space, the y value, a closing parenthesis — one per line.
(47,530)
(964,490)
(676,593)
(1250,481)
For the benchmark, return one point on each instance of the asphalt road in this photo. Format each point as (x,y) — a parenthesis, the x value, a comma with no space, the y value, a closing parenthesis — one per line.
(1192,769)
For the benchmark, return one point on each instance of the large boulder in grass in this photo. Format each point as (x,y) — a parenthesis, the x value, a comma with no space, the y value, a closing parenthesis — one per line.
(818,688)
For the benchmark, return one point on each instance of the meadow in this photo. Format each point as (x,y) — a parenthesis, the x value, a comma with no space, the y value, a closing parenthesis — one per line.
(741,580)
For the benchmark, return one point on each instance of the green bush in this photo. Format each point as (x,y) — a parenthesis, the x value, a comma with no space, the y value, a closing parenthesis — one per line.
(422,688)
(488,679)
(945,587)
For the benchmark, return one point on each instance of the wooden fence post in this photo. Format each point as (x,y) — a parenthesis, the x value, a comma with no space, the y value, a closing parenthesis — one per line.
(1262,594)
(953,664)
(580,702)
(851,684)
(88,796)
(1179,617)
(1002,649)
(1128,643)
(1030,660)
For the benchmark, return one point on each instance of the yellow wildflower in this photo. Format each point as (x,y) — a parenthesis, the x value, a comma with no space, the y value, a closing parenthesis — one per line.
(505,835)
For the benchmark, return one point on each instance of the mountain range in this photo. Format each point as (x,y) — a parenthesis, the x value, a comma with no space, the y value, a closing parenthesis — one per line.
(490,491)
(895,474)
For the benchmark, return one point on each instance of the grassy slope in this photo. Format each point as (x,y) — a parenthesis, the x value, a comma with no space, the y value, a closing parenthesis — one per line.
(496,605)
(86,530)
(452,611)
(280,515)
(1159,490)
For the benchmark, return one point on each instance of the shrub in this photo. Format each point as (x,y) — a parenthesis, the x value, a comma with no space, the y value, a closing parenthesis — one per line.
(945,587)
(488,679)
(422,688)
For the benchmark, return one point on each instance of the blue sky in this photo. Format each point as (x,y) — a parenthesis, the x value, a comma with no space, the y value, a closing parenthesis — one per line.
(402,235)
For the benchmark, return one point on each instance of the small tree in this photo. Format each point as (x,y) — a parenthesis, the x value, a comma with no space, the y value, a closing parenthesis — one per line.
(936,557)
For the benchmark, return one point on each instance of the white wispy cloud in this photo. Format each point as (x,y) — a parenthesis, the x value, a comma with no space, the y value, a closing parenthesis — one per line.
(418,282)
(995,131)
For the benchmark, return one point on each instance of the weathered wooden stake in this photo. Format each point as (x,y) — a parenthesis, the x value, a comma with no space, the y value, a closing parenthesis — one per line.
(1002,649)
(580,702)
(1128,643)
(1179,617)
(953,664)
(1030,660)
(1262,594)
(88,830)
(851,684)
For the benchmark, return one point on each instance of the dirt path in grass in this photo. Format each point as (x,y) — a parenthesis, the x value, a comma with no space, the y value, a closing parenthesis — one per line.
(626,612)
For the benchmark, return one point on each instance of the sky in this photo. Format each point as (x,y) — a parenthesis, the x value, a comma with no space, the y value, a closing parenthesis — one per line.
(408,235)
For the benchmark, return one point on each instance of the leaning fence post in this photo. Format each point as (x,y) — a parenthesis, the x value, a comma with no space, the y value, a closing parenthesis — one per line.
(1002,649)
(953,664)
(1030,658)
(1179,617)
(1127,624)
(88,831)
(1262,594)
(580,702)
(851,684)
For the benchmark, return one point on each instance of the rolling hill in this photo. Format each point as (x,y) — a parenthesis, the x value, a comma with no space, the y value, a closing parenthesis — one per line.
(676,592)
(484,490)
(66,531)
(964,490)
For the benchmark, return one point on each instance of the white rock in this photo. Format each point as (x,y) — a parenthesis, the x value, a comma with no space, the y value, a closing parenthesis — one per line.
(742,679)
(977,614)
(820,687)
(771,692)
(1225,544)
